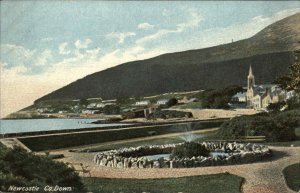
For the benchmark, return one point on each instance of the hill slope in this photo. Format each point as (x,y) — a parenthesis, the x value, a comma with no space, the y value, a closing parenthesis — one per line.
(269,52)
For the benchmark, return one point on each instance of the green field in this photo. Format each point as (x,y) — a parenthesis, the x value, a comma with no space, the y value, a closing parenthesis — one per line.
(215,183)
(292,176)
(49,142)
(157,141)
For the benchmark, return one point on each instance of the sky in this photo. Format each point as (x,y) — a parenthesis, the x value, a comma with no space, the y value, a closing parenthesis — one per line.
(46,45)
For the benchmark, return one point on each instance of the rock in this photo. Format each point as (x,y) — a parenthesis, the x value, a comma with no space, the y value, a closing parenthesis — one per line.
(126,163)
(156,164)
(109,164)
(134,164)
(103,162)
(120,165)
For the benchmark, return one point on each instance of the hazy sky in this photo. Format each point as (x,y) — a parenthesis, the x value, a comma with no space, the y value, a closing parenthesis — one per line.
(48,44)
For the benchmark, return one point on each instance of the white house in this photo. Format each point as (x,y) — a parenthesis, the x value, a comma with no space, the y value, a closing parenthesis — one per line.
(162,101)
(239,97)
(143,103)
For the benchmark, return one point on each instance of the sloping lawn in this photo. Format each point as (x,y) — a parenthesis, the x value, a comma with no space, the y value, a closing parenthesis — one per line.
(215,183)
(292,176)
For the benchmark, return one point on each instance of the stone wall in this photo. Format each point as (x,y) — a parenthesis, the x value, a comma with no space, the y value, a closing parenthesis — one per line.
(238,153)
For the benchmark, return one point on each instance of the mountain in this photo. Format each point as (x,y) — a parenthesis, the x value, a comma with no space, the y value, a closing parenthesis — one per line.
(270,52)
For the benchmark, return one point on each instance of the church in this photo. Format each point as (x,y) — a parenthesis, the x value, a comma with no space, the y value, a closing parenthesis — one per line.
(260,96)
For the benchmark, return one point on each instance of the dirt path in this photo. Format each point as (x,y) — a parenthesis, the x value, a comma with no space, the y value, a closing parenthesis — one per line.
(264,177)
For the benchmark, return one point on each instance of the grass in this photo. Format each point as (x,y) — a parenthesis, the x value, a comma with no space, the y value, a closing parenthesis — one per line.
(192,105)
(158,141)
(295,143)
(292,176)
(215,183)
(49,142)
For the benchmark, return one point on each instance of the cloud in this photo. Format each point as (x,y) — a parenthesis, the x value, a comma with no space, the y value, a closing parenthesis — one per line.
(82,44)
(48,39)
(44,57)
(145,26)
(165,12)
(238,31)
(62,48)
(19,54)
(193,20)
(120,36)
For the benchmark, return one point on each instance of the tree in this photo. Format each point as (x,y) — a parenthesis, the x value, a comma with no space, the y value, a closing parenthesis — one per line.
(83,102)
(291,81)
(172,102)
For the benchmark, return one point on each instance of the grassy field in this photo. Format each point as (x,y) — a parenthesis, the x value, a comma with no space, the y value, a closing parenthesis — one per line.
(215,183)
(208,134)
(292,176)
(48,142)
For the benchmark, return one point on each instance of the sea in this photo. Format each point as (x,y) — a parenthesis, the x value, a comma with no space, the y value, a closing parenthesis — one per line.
(32,125)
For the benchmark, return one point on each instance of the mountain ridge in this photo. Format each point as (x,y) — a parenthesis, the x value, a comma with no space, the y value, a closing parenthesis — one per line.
(269,51)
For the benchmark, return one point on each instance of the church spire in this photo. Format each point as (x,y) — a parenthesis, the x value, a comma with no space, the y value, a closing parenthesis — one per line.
(251,81)
(250,70)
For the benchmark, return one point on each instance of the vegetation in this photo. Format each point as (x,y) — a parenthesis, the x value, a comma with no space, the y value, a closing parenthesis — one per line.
(291,81)
(274,126)
(165,114)
(218,98)
(292,176)
(190,149)
(172,102)
(76,139)
(192,105)
(19,168)
(217,183)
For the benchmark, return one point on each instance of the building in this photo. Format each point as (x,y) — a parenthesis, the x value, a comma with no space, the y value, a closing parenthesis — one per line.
(162,101)
(260,96)
(239,97)
(143,103)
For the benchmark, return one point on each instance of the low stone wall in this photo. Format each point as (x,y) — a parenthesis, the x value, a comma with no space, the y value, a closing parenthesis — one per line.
(238,153)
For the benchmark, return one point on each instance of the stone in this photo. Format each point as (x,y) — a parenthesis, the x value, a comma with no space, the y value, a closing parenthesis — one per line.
(109,164)
(103,162)
(134,164)
(156,164)
(120,165)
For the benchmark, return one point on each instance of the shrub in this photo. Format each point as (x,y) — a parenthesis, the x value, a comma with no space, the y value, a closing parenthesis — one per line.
(189,149)
(19,168)
(172,114)
(172,102)
(218,98)
(275,126)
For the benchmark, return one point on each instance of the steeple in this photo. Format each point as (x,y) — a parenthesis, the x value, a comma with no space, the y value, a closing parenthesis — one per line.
(250,72)
(251,81)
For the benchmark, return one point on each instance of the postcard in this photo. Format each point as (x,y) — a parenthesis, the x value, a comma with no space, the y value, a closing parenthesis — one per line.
(150,96)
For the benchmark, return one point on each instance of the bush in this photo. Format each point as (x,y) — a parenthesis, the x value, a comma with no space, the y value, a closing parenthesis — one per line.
(172,102)
(19,168)
(190,149)
(275,126)
(172,114)
(219,98)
